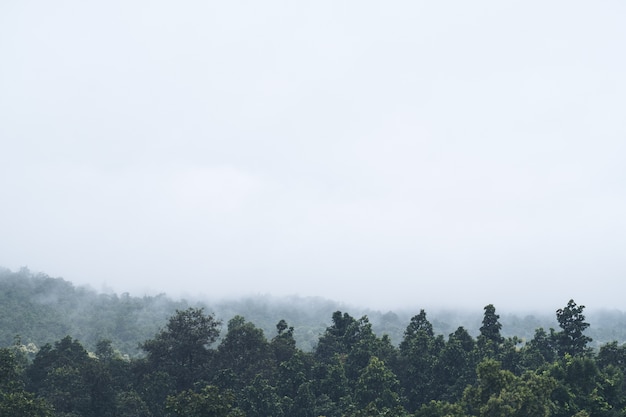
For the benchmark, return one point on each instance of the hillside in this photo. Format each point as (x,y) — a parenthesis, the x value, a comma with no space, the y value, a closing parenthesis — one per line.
(40,309)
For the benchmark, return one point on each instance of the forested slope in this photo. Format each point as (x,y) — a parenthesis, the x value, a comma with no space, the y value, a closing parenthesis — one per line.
(41,309)
(190,371)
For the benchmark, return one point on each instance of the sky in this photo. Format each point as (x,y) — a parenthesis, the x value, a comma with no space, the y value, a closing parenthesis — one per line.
(385,154)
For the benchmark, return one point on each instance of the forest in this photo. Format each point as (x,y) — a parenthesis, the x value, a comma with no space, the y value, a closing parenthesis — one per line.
(190,362)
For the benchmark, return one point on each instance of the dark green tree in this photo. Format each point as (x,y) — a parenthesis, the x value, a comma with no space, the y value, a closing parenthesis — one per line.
(362,346)
(510,355)
(260,399)
(417,365)
(377,384)
(490,339)
(294,373)
(491,382)
(333,391)
(338,338)
(611,354)
(14,400)
(456,365)
(117,368)
(102,390)
(242,355)
(539,351)
(303,402)
(581,387)
(418,324)
(67,378)
(499,392)
(9,370)
(571,340)
(283,344)
(182,348)
(66,352)
(153,388)
(66,389)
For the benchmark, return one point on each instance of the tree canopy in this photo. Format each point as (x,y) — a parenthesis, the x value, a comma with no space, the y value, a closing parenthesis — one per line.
(191,369)
(191,366)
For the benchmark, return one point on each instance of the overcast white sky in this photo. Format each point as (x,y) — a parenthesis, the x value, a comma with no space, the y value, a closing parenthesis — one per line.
(386,154)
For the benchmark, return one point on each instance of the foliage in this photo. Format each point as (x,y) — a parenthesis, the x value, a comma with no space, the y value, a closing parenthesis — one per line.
(186,369)
(418,359)
(490,338)
(499,392)
(378,385)
(571,339)
(243,354)
(209,402)
(22,403)
(42,309)
(182,348)
(14,400)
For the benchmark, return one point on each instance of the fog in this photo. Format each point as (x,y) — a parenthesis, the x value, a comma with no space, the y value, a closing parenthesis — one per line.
(381,154)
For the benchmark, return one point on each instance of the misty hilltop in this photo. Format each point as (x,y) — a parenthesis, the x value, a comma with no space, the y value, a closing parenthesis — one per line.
(39,309)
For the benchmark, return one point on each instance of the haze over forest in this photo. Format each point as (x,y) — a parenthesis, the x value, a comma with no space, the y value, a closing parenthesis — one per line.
(405,154)
(194,366)
(38,309)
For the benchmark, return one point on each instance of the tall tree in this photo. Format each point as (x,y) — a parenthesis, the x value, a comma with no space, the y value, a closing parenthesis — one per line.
(293,373)
(243,354)
(363,345)
(331,381)
(419,352)
(490,329)
(377,384)
(456,367)
(61,374)
(490,340)
(283,344)
(539,350)
(338,337)
(571,339)
(182,348)
(418,323)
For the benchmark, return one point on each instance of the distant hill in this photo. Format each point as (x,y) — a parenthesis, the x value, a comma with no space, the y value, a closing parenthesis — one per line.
(40,309)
